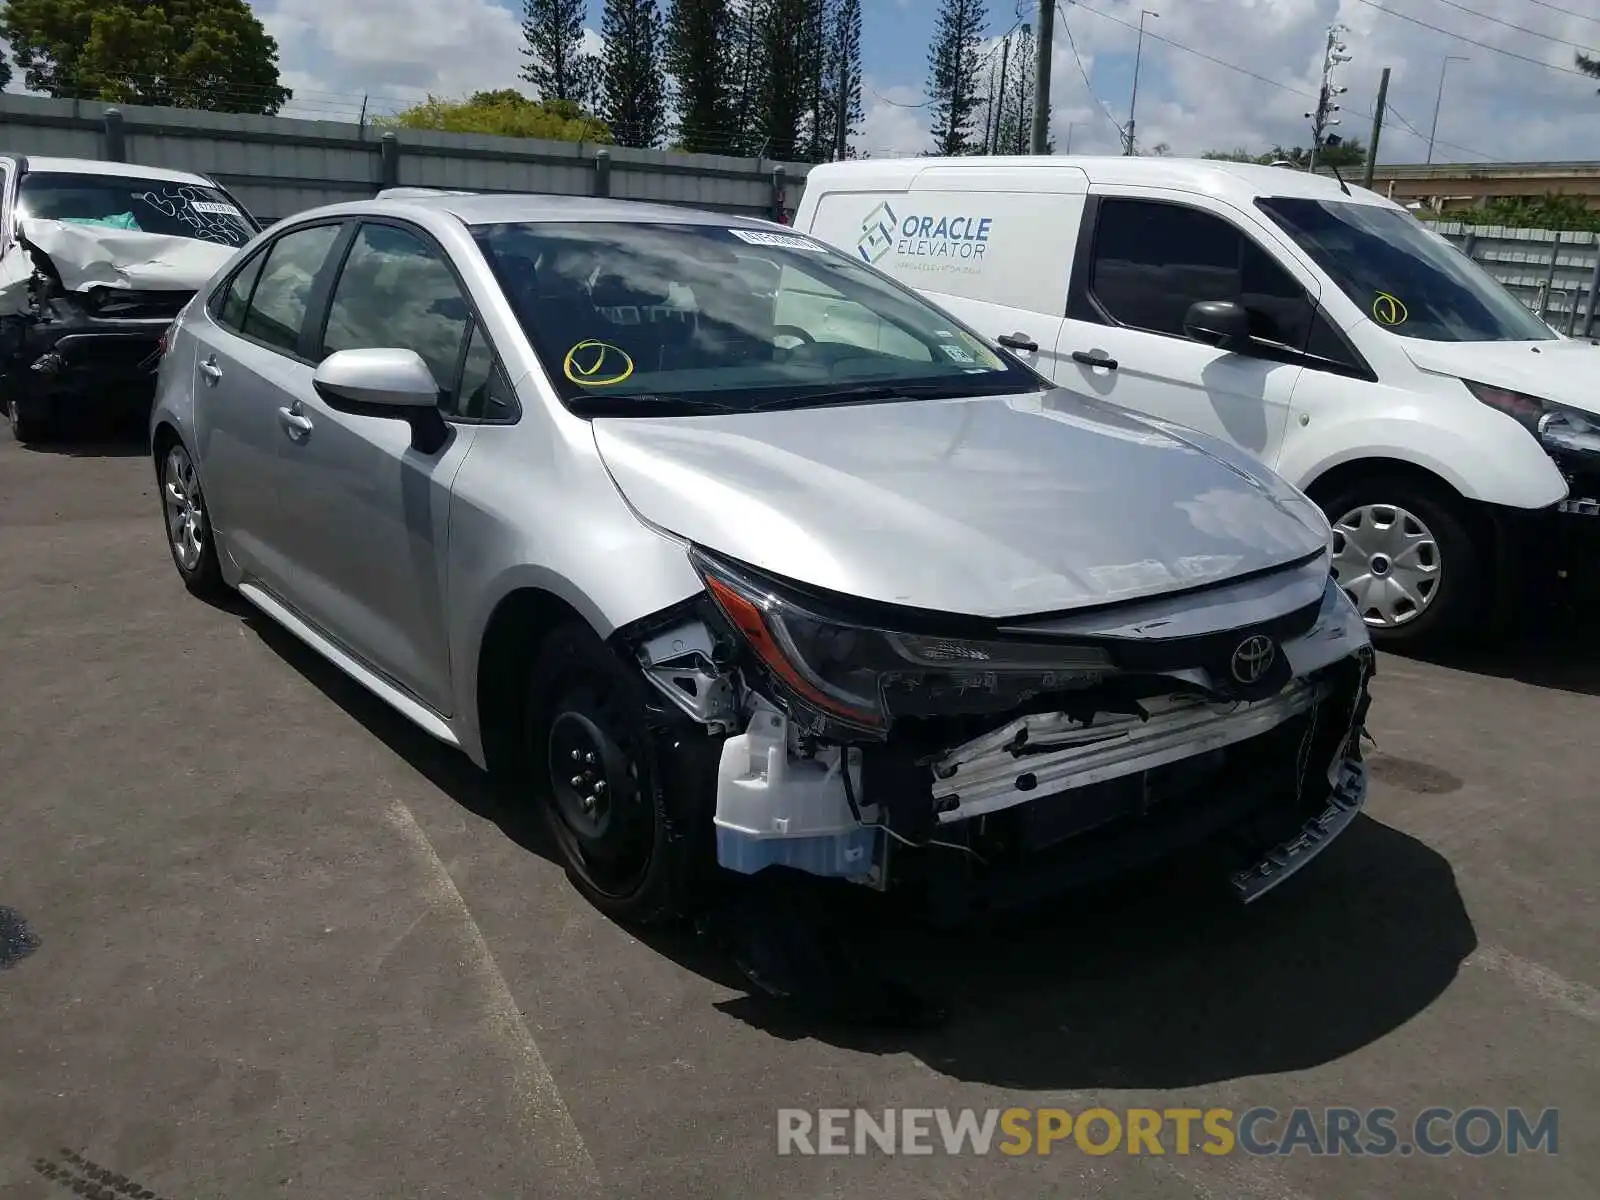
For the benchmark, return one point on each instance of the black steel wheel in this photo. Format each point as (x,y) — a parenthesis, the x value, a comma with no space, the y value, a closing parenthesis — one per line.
(592,759)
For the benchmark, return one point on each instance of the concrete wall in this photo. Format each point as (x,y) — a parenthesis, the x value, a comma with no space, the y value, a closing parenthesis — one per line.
(1561,291)
(278,166)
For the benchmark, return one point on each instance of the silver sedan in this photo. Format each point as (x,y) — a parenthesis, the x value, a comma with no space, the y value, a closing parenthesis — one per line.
(740,555)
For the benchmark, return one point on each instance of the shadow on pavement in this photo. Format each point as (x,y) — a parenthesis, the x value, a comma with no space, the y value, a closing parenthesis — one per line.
(98,435)
(1555,651)
(1160,981)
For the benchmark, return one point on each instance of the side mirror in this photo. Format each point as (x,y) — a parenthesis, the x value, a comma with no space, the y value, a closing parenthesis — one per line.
(1220,323)
(392,383)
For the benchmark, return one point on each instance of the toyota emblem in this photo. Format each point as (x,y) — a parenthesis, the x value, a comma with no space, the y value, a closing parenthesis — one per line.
(1252,658)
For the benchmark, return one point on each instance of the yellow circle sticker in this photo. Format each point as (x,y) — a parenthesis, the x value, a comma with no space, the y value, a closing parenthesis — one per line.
(1389,310)
(596,364)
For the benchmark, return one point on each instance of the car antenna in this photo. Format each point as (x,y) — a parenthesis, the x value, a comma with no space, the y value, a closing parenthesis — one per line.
(1343,187)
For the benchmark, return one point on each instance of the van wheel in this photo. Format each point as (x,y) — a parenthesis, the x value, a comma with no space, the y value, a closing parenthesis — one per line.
(1403,554)
(592,761)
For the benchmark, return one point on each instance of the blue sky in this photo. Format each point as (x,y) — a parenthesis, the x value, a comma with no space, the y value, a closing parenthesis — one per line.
(1215,73)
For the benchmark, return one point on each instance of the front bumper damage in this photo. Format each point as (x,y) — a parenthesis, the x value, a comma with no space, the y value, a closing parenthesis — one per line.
(95,345)
(984,809)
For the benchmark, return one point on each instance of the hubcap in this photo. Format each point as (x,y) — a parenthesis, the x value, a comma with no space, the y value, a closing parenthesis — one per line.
(186,516)
(1387,561)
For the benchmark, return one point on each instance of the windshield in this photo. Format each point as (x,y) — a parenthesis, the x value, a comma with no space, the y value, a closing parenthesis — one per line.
(630,317)
(1403,277)
(141,205)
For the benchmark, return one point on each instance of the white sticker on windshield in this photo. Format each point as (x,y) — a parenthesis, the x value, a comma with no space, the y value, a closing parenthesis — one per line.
(215,208)
(957,353)
(783,241)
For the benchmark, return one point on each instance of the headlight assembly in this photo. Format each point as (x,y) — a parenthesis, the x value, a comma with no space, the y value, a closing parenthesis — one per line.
(1560,430)
(847,670)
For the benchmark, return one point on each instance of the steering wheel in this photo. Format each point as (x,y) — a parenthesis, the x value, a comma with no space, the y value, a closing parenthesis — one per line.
(791,331)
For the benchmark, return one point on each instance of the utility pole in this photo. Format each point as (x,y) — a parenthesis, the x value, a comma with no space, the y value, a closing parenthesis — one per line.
(1377,129)
(1439,98)
(997,95)
(1133,98)
(1322,118)
(1041,77)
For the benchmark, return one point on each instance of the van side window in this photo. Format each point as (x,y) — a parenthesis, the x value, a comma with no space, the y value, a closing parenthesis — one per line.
(1152,260)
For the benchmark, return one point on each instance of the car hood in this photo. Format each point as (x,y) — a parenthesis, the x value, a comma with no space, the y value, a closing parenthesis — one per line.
(91,256)
(997,506)
(1562,371)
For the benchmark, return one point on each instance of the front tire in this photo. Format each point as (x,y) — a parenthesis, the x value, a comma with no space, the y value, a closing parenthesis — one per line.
(188,525)
(1405,555)
(592,759)
(27,424)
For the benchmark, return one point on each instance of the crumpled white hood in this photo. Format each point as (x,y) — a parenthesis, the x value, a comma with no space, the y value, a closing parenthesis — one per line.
(88,256)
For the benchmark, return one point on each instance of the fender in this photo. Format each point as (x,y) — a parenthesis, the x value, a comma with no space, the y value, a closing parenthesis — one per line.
(1483,454)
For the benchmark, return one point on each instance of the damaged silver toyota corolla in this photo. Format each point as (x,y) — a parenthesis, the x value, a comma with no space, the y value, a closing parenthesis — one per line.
(738,552)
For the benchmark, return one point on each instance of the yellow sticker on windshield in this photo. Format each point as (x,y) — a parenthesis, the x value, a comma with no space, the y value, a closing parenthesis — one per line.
(1389,310)
(596,364)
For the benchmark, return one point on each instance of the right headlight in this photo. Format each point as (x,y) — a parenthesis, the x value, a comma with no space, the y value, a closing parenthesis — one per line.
(843,669)
(1560,430)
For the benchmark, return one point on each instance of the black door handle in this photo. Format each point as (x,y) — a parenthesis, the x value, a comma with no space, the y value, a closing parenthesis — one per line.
(1096,359)
(1018,341)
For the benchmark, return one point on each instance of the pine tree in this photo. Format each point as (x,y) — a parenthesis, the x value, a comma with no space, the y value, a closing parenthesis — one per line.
(747,74)
(791,54)
(633,100)
(841,82)
(1589,66)
(552,33)
(698,59)
(955,74)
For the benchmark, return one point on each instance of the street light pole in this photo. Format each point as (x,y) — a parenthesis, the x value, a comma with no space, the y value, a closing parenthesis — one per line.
(1133,99)
(1439,98)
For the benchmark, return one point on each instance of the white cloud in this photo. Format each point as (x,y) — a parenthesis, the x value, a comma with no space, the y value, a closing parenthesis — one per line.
(894,121)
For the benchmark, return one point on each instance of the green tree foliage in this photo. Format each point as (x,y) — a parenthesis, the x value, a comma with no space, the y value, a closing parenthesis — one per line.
(503,113)
(1550,211)
(791,51)
(699,59)
(840,80)
(1589,66)
(552,35)
(207,54)
(1347,156)
(955,75)
(633,98)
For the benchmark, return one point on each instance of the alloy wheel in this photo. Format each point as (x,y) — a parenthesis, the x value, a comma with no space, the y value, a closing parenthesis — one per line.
(1386,559)
(186,515)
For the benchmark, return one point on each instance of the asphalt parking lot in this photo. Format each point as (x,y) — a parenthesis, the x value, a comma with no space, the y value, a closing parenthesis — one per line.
(259,938)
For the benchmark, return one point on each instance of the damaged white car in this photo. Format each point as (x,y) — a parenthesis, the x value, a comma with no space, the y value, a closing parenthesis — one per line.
(96,259)
(737,552)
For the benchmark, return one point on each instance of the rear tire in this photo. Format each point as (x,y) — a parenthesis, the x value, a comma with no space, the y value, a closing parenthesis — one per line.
(188,524)
(592,759)
(1405,554)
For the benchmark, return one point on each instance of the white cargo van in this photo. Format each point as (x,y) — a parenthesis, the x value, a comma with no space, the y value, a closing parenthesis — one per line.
(1452,437)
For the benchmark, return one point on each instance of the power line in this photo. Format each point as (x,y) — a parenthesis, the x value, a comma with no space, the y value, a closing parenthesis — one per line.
(1566,12)
(1089,87)
(1538,62)
(1279,84)
(1549,37)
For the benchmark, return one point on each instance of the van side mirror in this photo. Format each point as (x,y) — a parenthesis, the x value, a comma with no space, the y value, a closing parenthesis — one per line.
(1220,323)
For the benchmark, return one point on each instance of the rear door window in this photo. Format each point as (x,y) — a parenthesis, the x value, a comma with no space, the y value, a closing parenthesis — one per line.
(283,293)
(234,302)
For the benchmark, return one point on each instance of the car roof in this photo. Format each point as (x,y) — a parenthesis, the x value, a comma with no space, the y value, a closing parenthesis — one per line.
(122,170)
(1206,175)
(506,208)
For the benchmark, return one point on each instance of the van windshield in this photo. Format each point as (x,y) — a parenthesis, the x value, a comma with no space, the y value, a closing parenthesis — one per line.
(644,318)
(138,205)
(1401,276)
